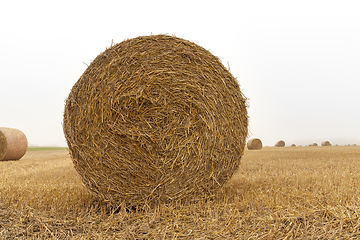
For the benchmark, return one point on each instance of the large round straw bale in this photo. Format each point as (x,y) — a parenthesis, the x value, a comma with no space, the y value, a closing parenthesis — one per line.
(254,144)
(13,144)
(326,143)
(280,143)
(313,145)
(155,118)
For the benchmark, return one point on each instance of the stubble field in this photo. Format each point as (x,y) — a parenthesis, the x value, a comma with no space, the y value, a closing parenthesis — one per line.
(278,193)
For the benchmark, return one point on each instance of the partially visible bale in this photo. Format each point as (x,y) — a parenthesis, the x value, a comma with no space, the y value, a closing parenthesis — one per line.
(293,145)
(254,144)
(154,119)
(13,144)
(354,145)
(326,143)
(280,143)
(313,145)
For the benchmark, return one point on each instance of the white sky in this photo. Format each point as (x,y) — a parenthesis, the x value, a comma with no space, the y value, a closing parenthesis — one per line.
(298,62)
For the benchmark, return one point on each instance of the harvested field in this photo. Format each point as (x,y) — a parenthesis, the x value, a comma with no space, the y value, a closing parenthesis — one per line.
(277,193)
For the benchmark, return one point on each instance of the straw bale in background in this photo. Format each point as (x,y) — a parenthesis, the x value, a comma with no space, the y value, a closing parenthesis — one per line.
(326,143)
(254,144)
(13,144)
(280,143)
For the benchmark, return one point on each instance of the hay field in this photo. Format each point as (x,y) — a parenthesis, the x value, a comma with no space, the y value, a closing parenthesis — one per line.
(278,193)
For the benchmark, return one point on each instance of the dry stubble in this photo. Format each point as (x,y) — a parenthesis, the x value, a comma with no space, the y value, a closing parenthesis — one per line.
(277,193)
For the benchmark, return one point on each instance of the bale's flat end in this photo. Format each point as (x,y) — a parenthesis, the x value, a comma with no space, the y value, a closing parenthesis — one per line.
(155,118)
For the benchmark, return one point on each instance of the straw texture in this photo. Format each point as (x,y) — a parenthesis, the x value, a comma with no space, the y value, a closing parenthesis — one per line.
(280,143)
(254,144)
(13,144)
(155,118)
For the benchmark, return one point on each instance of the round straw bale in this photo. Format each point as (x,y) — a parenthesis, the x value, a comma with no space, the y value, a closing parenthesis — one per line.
(13,144)
(254,144)
(313,145)
(293,145)
(155,118)
(326,143)
(280,143)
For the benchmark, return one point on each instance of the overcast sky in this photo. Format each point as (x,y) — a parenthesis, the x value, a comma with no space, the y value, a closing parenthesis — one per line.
(298,62)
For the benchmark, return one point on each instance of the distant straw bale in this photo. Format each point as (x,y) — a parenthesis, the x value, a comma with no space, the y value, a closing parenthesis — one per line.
(155,118)
(293,145)
(326,143)
(13,144)
(313,145)
(254,144)
(280,143)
